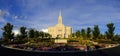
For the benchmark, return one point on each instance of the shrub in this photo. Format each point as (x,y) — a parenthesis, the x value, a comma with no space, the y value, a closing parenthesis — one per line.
(73,41)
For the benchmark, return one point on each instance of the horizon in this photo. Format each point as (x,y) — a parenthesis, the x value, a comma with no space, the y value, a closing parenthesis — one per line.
(79,14)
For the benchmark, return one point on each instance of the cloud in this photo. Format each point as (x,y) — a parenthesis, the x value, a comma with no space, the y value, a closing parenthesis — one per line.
(15,17)
(3,14)
(39,22)
(16,32)
(78,14)
(44,30)
(2,20)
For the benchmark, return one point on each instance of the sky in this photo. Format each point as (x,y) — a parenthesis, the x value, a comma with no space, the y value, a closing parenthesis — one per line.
(41,14)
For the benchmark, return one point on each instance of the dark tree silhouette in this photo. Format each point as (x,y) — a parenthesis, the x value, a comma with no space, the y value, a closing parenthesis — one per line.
(31,33)
(88,32)
(23,32)
(77,33)
(83,33)
(36,34)
(96,32)
(41,34)
(110,31)
(7,34)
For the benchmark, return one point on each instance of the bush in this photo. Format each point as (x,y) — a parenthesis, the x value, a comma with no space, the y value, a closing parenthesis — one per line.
(45,40)
(73,41)
(106,41)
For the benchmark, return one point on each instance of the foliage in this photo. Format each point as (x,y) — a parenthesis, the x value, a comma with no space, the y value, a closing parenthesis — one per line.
(96,32)
(102,36)
(41,34)
(83,33)
(88,32)
(83,37)
(45,40)
(71,40)
(23,32)
(31,33)
(108,41)
(116,38)
(47,35)
(73,35)
(7,34)
(110,32)
(77,33)
(36,34)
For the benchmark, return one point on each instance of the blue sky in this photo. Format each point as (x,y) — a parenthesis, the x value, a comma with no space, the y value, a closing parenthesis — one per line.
(40,14)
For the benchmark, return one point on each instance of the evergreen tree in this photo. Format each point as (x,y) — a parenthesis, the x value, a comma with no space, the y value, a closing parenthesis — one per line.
(18,38)
(116,37)
(36,34)
(41,34)
(31,33)
(88,32)
(96,32)
(110,31)
(23,32)
(102,36)
(83,33)
(47,35)
(73,35)
(7,34)
(77,33)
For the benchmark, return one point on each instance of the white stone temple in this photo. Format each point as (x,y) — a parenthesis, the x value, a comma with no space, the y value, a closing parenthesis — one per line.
(60,30)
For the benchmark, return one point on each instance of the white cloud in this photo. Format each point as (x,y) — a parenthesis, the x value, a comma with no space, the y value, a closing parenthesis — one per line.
(2,14)
(45,15)
(39,22)
(15,17)
(16,32)
(44,30)
(6,13)
(2,19)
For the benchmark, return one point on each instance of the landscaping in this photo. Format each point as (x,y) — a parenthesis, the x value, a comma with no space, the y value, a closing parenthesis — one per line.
(84,40)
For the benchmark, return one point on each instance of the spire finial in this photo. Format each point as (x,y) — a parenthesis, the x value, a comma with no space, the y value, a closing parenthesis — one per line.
(60,13)
(60,18)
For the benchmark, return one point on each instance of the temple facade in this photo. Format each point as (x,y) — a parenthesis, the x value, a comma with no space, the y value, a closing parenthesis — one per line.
(60,30)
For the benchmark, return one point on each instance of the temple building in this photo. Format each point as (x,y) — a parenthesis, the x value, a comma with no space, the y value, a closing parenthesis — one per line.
(60,30)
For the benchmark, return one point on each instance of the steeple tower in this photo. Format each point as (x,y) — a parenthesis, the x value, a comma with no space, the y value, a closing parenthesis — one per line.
(60,30)
(60,18)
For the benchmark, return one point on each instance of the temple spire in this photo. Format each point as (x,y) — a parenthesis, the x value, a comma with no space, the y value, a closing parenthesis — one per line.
(60,13)
(60,18)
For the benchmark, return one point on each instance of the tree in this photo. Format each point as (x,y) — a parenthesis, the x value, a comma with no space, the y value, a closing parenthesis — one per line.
(96,32)
(36,34)
(83,33)
(110,31)
(41,34)
(116,37)
(47,35)
(7,34)
(73,35)
(77,33)
(88,32)
(23,32)
(31,33)
(18,38)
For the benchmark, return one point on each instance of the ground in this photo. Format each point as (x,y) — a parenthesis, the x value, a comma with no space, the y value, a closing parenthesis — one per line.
(106,52)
